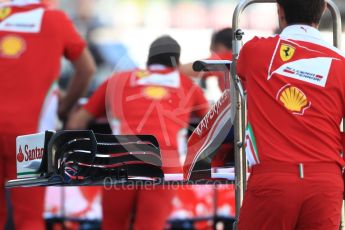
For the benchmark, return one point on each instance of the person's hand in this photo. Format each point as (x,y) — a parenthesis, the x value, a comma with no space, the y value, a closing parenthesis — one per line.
(62,108)
(78,118)
(84,69)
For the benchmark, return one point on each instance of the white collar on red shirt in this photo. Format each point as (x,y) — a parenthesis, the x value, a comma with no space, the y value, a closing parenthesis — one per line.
(307,34)
(156,67)
(299,31)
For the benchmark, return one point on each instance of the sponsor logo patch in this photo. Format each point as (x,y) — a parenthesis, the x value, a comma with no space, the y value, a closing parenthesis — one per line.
(12,46)
(171,79)
(286,52)
(312,70)
(155,92)
(293,99)
(4,12)
(28,22)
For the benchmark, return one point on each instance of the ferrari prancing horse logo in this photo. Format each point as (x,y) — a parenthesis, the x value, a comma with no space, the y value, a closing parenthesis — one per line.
(286,52)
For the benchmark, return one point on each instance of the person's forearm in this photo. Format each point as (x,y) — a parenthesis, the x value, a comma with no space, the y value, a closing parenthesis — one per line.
(84,70)
(76,89)
(187,69)
(79,119)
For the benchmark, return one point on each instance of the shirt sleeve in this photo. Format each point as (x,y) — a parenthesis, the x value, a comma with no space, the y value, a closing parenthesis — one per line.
(96,104)
(244,60)
(240,67)
(73,43)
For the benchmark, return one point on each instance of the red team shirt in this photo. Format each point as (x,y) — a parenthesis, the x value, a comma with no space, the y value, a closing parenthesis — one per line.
(296,97)
(157,102)
(32,41)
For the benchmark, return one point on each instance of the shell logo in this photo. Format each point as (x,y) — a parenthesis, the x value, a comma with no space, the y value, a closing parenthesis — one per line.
(155,92)
(293,99)
(12,46)
(4,12)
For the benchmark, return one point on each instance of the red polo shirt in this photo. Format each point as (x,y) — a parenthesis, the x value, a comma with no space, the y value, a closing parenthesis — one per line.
(296,90)
(32,41)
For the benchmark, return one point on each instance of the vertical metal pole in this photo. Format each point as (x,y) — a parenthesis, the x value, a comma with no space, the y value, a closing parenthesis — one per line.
(239,123)
(336,18)
(239,103)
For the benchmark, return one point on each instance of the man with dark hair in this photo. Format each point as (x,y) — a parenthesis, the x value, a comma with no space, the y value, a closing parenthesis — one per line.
(221,49)
(295,88)
(221,41)
(155,101)
(302,12)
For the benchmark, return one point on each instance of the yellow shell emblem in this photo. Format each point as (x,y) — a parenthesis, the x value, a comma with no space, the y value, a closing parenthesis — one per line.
(293,99)
(12,46)
(286,52)
(4,12)
(155,92)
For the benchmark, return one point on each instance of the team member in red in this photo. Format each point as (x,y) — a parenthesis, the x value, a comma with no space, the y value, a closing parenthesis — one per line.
(32,42)
(221,49)
(155,101)
(296,89)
